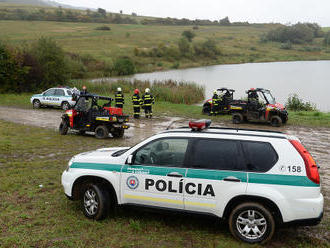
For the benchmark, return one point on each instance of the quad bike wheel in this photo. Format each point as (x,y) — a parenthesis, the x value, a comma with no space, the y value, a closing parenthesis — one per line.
(101,132)
(118,133)
(276,121)
(237,118)
(63,128)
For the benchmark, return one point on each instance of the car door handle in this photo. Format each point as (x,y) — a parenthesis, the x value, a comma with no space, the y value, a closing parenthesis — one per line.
(232,179)
(174,174)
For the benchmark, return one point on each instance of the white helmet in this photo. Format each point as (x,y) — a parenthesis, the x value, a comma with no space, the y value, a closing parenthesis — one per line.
(118,89)
(215,92)
(147,90)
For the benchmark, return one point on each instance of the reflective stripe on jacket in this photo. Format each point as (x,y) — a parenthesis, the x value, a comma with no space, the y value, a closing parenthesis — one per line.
(136,100)
(119,97)
(148,99)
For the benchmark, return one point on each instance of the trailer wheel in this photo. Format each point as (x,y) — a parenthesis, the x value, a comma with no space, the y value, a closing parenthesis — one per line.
(276,121)
(237,118)
(118,133)
(63,128)
(101,132)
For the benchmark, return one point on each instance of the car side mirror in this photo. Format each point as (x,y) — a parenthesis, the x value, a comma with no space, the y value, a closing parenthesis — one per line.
(129,159)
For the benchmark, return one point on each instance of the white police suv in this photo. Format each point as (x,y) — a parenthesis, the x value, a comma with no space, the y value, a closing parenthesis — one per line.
(58,97)
(256,180)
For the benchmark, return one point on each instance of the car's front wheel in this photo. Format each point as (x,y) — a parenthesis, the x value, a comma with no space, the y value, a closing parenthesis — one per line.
(252,223)
(36,104)
(95,201)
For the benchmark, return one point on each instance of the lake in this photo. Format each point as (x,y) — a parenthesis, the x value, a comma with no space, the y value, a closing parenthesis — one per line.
(309,79)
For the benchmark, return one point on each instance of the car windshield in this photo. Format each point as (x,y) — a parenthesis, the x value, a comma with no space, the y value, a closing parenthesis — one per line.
(269,97)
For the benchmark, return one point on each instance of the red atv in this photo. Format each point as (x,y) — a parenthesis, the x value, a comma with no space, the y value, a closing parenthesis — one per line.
(224,104)
(260,107)
(87,116)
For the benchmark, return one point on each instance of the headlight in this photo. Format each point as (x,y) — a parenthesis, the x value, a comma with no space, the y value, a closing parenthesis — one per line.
(69,164)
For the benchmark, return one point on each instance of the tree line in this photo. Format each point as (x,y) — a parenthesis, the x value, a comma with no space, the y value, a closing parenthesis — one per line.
(299,33)
(65,15)
(101,16)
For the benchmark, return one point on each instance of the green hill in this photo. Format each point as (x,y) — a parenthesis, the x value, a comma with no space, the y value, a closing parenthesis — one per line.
(28,2)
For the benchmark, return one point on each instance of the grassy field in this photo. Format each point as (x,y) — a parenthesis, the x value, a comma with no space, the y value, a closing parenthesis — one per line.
(301,118)
(35,212)
(238,44)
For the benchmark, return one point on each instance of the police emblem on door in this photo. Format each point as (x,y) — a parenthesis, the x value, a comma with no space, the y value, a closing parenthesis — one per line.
(132,182)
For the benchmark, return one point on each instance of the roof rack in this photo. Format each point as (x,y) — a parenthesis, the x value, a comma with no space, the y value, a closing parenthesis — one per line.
(237,129)
(246,129)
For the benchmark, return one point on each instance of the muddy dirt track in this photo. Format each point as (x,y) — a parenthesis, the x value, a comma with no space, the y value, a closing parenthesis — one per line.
(317,140)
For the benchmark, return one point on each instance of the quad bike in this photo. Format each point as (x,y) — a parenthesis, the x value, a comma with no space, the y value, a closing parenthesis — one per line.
(224,104)
(87,116)
(260,107)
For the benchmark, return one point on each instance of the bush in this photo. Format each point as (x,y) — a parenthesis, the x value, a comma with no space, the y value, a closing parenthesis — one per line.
(326,40)
(296,104)
(286,45)
(207,49)
(105,28)
(299,33)
(189,35)
(124,66)
(51,61)
(225,21)
(184,47)
(36,67)
(12,72)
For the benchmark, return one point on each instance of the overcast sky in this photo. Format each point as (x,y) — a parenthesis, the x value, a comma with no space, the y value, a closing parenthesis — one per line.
(283,11)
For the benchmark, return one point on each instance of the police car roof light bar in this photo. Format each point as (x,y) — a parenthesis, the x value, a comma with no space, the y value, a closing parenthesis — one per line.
(199,125)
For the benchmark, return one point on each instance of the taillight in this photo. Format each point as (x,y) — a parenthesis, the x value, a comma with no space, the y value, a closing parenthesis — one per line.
(310,165)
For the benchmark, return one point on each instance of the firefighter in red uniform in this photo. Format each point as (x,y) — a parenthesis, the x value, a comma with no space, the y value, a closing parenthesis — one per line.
(148,100)
(137,102)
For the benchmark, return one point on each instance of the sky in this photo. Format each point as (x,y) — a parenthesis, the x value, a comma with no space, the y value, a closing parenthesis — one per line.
(253,11)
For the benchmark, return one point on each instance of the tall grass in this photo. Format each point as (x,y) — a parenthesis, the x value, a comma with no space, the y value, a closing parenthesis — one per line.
(168,90)
(296,104)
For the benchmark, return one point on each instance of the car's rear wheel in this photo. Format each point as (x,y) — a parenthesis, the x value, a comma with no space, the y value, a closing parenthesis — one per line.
(95,201)
(101,132)
(118,133)
(36,104)
(276,121)
(65,105)
(237,118)
(63,128)
(252,223)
